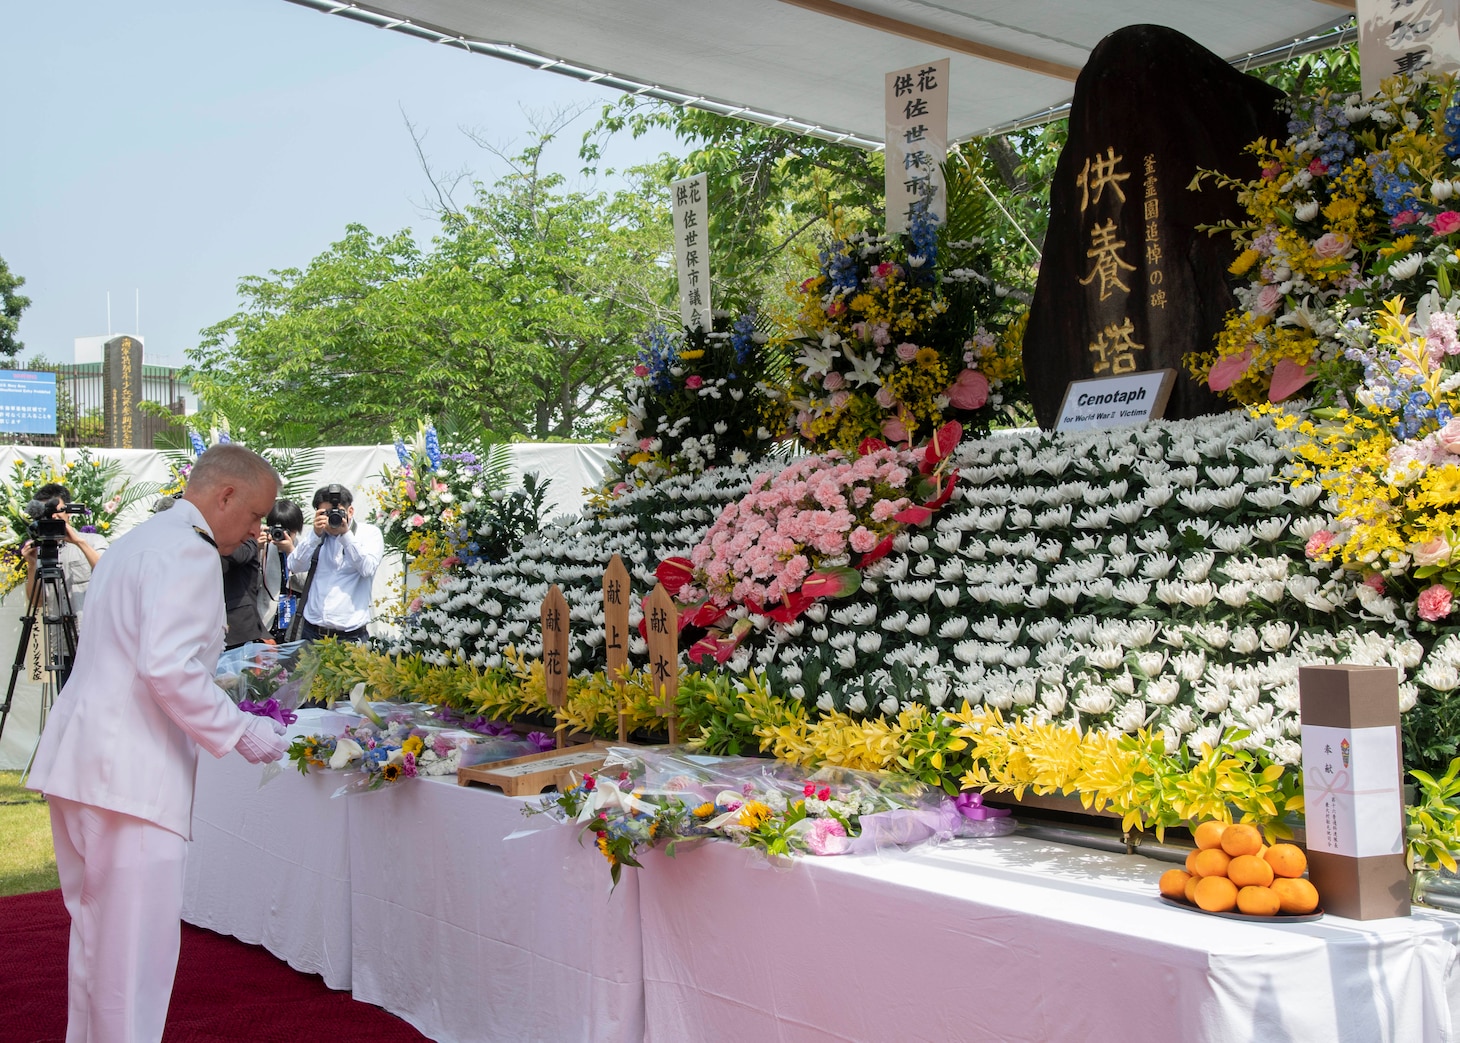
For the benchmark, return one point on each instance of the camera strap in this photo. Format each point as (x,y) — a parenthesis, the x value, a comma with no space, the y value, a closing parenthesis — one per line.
(297,622)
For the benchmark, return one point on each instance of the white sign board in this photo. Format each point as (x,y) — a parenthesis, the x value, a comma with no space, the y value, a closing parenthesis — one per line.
(1405,36)
(690,203)
(1105,402)
(917,143)
(1351,791)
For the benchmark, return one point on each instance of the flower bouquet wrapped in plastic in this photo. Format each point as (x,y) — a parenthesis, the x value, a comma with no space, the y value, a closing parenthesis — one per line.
(391,742)
(267,680)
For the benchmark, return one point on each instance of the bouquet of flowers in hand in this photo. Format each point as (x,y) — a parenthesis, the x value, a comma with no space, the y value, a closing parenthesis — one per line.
(266,679)
(1354,208)
(889,345)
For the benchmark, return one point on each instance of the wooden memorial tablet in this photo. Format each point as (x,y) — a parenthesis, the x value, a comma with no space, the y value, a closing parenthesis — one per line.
(616,594)
(661,624)
(554,615)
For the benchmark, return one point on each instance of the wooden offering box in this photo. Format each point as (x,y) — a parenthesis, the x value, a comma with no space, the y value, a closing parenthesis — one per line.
(530,775)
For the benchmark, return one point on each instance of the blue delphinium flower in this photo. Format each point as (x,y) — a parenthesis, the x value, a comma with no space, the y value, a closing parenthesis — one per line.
(1452,130)
(742,338)
(658,349)
(923,231)
(1396,195)
(839,266)
(199,446)
(401,454)
(433,447)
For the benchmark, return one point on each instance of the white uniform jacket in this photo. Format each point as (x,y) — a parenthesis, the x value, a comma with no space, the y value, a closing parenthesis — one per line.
(125,730)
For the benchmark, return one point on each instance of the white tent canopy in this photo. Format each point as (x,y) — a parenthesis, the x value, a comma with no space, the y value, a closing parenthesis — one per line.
(817,66)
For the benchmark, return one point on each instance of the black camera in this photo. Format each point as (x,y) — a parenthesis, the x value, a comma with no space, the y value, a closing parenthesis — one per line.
(277,533)
(335,516)
(47,526)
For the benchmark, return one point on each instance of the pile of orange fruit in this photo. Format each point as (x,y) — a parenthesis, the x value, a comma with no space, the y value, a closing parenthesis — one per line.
(1232,869)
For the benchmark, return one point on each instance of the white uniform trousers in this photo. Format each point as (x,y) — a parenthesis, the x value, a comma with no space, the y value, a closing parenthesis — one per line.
(122,881)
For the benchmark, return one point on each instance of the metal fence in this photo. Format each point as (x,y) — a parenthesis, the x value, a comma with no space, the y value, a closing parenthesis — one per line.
(81,406)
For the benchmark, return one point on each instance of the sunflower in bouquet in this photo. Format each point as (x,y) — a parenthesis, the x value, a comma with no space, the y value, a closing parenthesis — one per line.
(896,336)
(1354,208)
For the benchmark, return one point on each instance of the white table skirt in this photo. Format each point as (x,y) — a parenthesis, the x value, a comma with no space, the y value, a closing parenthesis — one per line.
(271,865)
(470,937)
(1015,939)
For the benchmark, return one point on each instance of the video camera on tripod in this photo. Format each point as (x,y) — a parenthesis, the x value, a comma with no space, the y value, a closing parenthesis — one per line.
(48,605)
(48,524)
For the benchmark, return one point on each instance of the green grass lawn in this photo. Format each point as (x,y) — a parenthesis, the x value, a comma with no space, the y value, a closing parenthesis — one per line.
(27,861)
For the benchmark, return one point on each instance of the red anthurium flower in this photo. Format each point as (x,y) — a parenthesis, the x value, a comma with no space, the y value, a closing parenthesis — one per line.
(870,446)
(674,573)
(941,444)
(705,614)
(832,583)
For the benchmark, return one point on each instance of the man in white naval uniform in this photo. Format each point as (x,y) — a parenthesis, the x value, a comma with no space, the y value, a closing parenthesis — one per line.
(119,752)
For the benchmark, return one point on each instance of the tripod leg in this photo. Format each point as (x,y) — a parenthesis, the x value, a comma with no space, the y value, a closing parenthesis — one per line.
(27,625)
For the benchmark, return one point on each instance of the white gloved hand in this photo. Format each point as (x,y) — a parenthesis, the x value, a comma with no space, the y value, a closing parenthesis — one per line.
(259,744)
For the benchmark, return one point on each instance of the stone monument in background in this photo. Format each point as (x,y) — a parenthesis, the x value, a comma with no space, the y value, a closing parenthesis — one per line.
(1126,283)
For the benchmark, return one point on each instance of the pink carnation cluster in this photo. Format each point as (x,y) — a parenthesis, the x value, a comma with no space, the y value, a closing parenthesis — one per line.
(761,549)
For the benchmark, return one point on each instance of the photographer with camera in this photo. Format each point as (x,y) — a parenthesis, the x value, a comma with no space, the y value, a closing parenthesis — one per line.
(338,557)
(280,593)
(76,552)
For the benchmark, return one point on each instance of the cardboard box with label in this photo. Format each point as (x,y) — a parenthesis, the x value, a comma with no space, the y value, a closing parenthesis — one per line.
(1354,805)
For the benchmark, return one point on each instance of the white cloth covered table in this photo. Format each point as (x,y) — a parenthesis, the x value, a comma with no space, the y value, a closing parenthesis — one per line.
(472,938)
(1015,939)
(271,865)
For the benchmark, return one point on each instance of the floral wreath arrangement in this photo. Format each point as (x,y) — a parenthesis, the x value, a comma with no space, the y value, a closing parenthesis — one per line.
(805,533)
(444,508)
(642,799)
(101,485)
(1353,209)
(699,399)
(888,345)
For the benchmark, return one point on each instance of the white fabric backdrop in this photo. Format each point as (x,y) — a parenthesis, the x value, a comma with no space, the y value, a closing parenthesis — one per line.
(1015,939)
(572,468)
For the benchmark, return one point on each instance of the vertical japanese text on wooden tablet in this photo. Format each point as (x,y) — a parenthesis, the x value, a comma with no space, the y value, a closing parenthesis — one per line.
(917,143)
(690,208)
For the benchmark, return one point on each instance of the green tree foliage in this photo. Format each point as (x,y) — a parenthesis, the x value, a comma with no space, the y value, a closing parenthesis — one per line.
(521,315)
(776,195)
(11,305)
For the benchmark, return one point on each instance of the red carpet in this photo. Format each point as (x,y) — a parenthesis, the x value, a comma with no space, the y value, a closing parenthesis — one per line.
(225,990)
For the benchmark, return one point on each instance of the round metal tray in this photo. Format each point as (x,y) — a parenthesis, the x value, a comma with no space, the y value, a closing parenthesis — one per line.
(1182,903)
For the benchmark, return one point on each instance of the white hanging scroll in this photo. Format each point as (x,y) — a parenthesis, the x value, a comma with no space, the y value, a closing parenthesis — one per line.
(689,200)
(1405,36)
(917,142)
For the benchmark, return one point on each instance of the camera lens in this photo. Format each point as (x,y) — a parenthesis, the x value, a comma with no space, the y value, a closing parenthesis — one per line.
(276,532)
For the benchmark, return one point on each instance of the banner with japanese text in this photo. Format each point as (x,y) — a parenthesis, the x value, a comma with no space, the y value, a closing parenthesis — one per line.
(1405,36)
(917,143)
(689,200)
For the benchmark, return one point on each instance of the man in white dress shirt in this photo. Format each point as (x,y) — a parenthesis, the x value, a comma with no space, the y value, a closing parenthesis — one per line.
(343,556)
(120,749)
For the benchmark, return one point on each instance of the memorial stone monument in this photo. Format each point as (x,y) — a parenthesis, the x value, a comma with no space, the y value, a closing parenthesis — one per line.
(1126,282)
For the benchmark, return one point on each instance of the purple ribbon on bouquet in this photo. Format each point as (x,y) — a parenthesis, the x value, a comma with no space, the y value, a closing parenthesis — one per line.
(542,740)
(269,708)
(970,805)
